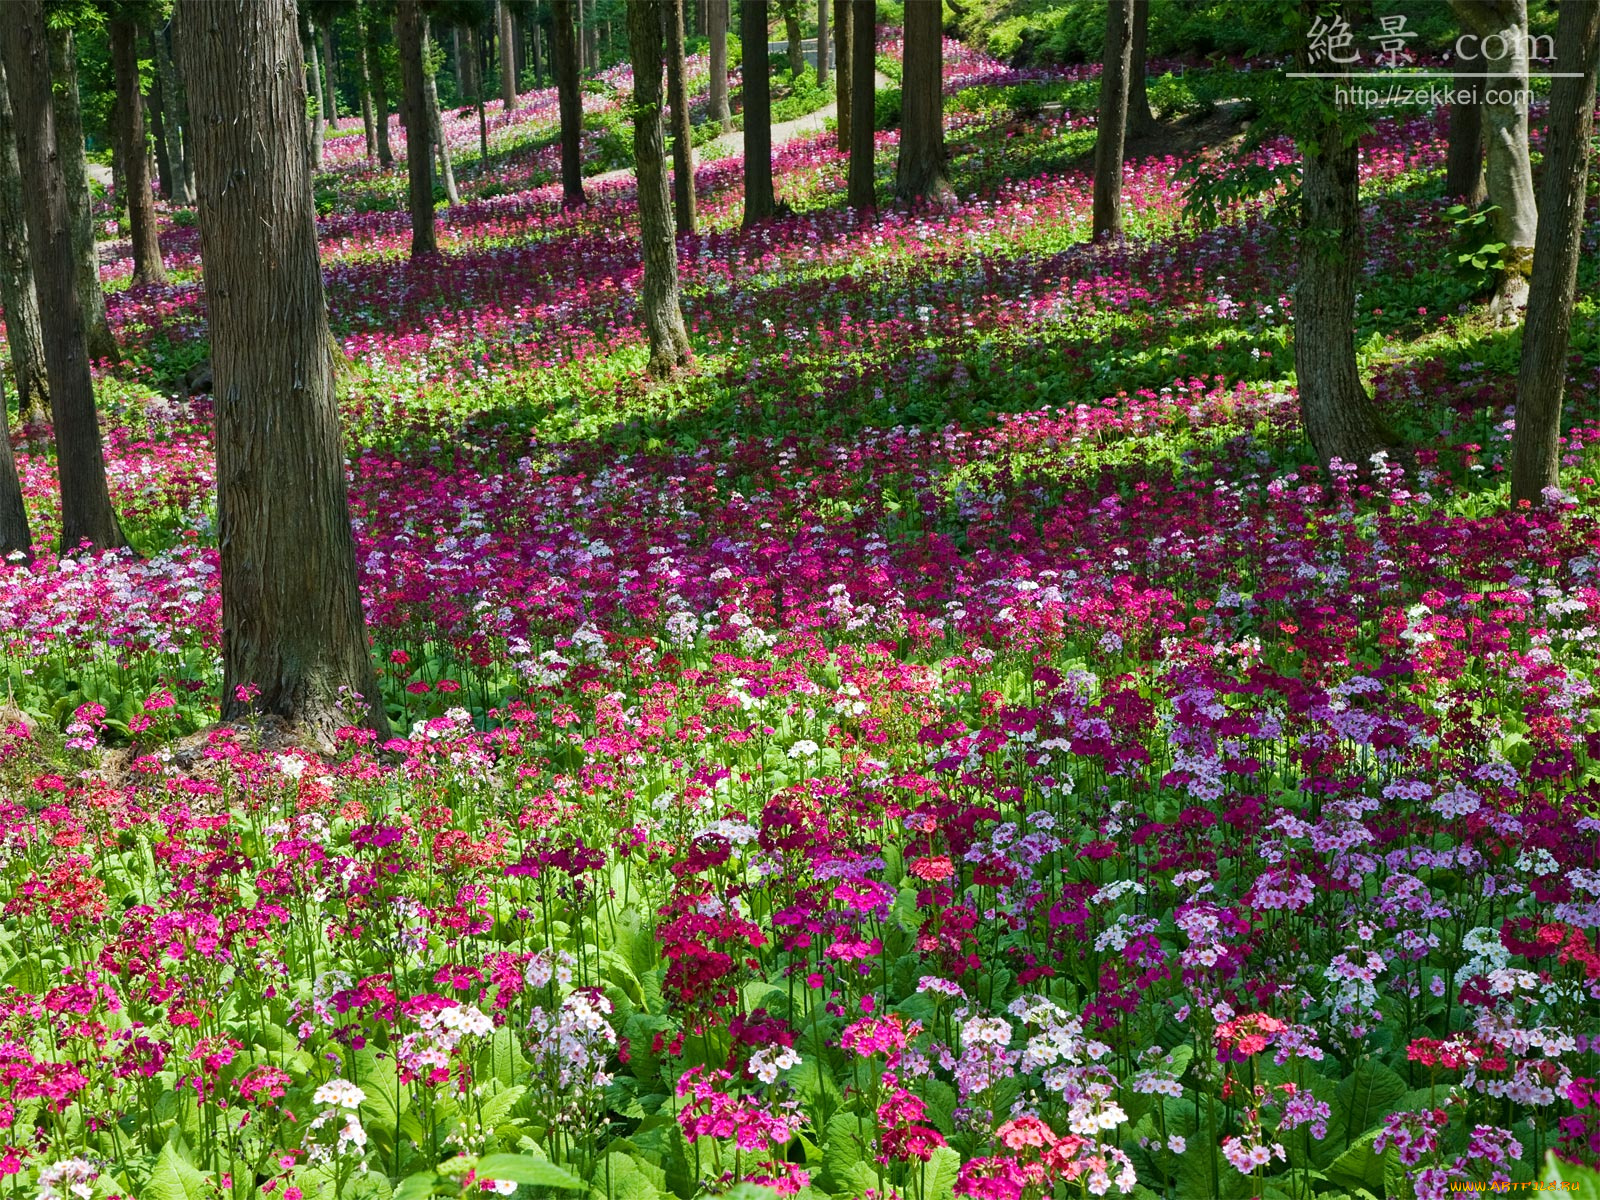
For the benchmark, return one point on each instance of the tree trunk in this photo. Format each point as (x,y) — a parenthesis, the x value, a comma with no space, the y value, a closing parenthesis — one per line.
(678,96)
(843,75)
(75,177)
(468,64)
(86,512)
(330,75)
(791,33)
(1112,126)
(759,203)
(861,193)
(23,331)
(408,34)
(1563,191)
(364,82)
(536,49)
(480,68)
(1141,121)
(16,540)
(1510,173)
(569,99)
(292,625)
(508,59)
(658,292)
(380,92)
(1338,416)
(145,231)
(447,170)
(717,23)
(155,106)
(177,113)
(1463,172)
(319,130)
(822,43)
(919,173)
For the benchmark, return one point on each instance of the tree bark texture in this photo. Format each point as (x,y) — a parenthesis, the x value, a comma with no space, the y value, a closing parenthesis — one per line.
(1112,126)
(791,33)
(447,171)
(330,74)
(920,171)
(145,231)
(663,315)
(155,106)
(861,193)
(1463,172)
(75,177)
(683,199)
(16,539)
(292,624)
(717,27)
(842,81)
(1141,121)
(1563,191)
(380,92)
(86,512)
(822,43)
(759,202)
(24,335)
(319,119)
(408,35)
(508,58)
(569,99)
(177,112)
(364,82)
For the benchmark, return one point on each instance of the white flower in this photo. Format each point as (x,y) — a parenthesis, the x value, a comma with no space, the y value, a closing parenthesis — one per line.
(340,1092)
(291,766)
(804,748)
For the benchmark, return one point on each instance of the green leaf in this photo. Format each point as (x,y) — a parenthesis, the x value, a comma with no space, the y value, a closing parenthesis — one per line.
(173,1178)
(416,1187)
(523,1168)
(1360,1165)
(1585,1181)
(1361,1100)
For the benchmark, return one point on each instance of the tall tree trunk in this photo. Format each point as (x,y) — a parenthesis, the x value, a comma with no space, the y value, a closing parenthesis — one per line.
(156,106)
(861,192)
(145,231)
(678,96)
(1510,172)
(408,34)
(1563,193)
(536,50)
(1112,126)
(1338,415)
(380,91)
(843,75)
(1463,171)
(658,292)
(319,130)
(447,170)
(177,113)
(920,173)
(759,203)
(86,512)
(717,23)
(569,100)
(508,58)
(791,32)
(1141,121)
(470,86)
(330,74)
(822,43)
(364,82)
(24,334)
(75,178)
(480,68)
(292,625)
(16,539)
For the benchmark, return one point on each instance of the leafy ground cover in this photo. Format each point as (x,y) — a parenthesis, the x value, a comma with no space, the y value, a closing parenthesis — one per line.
(949,744)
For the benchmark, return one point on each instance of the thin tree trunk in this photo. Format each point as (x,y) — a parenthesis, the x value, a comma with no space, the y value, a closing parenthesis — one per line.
(1509,170)
(436,133)
(86,512)
(319,131)
(508,59)
(569,100)
(145,231)
(480,69)
(80,212)
(292,626)
(24,335)
(717,23)
(364,81)
(1338,415)
(1141,121)
(16,539)
(1563,193)
(791,33)
(1463,172)
(658,292)
(822,43)
(172,100)
(678,96)
(861,192)
(536,49)
(843,75)
(759,203)
(409,37)
(155,106)
(1112,126)
(468,63)
(380,93)
(330,74)
(919,173)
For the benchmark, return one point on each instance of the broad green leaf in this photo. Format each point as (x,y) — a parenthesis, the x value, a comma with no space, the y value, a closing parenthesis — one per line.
(523,1168)
(173,1178)
(1583,1182)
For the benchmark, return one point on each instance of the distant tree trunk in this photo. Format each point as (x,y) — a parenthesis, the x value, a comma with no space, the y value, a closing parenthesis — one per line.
(822,43)
(717,23)
(569,99)
(861,193)
(1141,121)
(16,540)
(1112,126)
(678,96)
(468,66)
(536,49)
(24,335)
(1563,191)
(364,81)
(1510,172)
(409,37)
(791,32)
(1463,172)
(1338,416)
(330,74)
(508,59)
(145,231)
(658,293)
(156,108)
(319,131)
(759,203)
(177,113)
(843,76)
(447,170)
(920,174)
(86,512)
(380,92)
(480,69)
(292,625)
(80,212)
